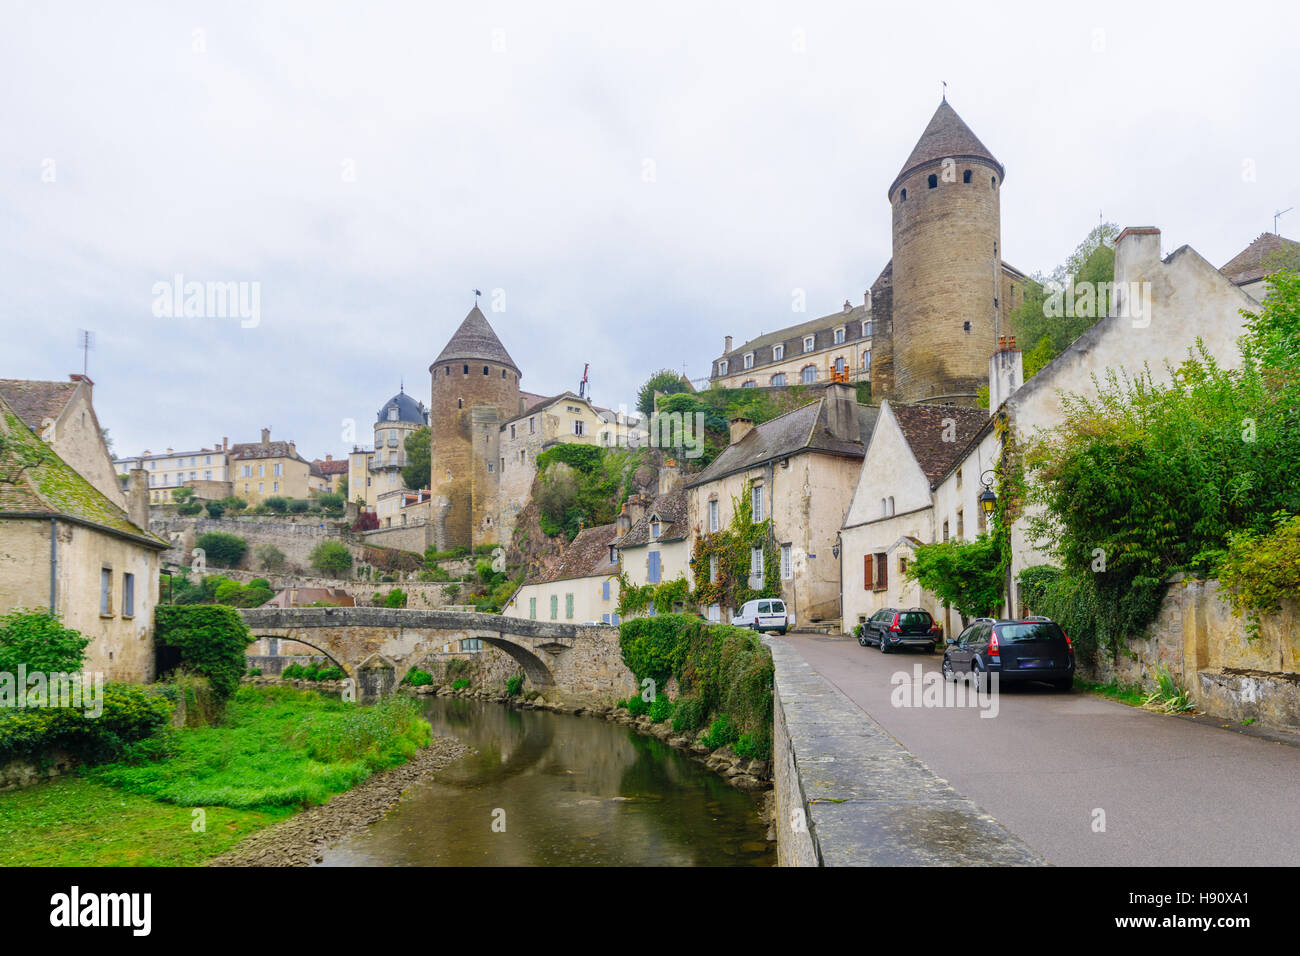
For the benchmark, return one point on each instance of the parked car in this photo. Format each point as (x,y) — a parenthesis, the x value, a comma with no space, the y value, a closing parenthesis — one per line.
(893,628)
(765,614)
(1034,648)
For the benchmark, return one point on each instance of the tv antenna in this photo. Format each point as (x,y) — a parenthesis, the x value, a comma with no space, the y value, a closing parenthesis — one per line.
(85,342)
(1277,215)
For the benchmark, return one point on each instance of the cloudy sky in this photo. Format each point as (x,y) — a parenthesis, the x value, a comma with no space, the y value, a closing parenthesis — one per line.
(634,181)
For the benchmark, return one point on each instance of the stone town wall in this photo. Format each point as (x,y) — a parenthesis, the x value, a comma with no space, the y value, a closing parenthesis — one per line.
(1199,641)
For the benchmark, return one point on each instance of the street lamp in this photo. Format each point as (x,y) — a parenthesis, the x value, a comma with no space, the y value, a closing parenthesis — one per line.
(988,500)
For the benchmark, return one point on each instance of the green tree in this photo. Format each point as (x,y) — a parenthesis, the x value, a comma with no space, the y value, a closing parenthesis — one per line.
(277,504)
(181,495)
(416,473)
(331,558)
(664,380)
(215,508)
(270,557)
(40,642)
(222,550)
(964,574)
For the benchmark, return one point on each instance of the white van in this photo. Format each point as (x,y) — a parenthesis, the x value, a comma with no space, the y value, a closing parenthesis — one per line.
(765,614)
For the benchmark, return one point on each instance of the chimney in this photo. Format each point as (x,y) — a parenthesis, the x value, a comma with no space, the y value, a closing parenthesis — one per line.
(78,377)
(1006,372)
(866,299)
(848,306)
(266,436)
(137,501)
(841,402)
(670,477)
(1137,250)
(740,427)
(225,443)
(622,524)
(635,509)
(329,457)
(726,346)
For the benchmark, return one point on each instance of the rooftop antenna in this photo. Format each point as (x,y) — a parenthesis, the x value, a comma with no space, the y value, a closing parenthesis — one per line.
(85,342)
(1276,216)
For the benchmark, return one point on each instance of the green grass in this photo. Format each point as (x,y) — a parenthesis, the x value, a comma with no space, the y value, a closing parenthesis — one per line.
(278,751)
(1131,694)
(73,821)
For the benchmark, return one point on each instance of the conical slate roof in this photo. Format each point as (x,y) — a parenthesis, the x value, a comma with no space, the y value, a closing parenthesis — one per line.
(475,341)
(947,135)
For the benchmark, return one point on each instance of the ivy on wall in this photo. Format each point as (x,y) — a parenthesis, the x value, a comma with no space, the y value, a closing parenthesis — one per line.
(732,547)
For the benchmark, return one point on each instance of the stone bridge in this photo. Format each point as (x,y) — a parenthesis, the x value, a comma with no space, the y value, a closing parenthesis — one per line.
(377,646)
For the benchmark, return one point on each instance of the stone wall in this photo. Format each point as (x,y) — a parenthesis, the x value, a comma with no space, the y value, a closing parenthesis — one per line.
(1199,641)
(296,537)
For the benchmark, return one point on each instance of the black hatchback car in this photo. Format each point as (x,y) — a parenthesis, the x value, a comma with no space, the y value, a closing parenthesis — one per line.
(1031,649)
(893,628)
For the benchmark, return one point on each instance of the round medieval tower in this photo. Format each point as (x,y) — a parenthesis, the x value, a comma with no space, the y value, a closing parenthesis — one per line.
(947,264)
(475,388)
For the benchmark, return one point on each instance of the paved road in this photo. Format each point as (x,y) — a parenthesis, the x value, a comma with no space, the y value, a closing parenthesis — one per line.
(1175,792)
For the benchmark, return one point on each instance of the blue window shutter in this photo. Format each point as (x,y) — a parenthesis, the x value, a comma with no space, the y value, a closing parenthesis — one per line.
(654,567)
(604,590)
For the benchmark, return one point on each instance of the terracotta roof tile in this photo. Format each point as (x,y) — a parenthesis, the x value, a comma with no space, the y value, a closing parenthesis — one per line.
(1253,263)
(35,402)
(928,428)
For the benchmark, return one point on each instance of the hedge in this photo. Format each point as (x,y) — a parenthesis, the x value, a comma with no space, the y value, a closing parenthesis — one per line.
(129,714)
(212,640)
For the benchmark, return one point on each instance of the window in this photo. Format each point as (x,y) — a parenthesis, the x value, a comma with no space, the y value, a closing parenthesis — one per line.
(555,606)
(756,502)
(207,459)
(491,468)
(904,195)
(808,375)
(105,591)
(578,426)
(866,329)
(756,562)
(961,523)
(965,177)
(902,564)
(722,367)
(512,431)
(882,571)
(128,595)
(279,470)
(652,568)
(787,562)
(460,403)
(532,608)
(778,352)
(713,515)
(959,471)
(465,370)
(945,530)
(715,613)
(932,181)
(532,426)
(839,365)
(503,464)
(207,475)
(713,569)
(568,607)
(839,336)
(654,529)
(260,487)
(275,487)
(749,360)
(485,369)
(261,471)
(749,384)
(866,359)
(808,342)
(778,379)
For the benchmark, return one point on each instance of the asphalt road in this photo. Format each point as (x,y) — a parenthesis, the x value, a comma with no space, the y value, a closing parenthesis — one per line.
(1174,792)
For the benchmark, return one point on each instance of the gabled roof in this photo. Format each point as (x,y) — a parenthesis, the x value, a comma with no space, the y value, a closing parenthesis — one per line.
(586,556)
(670,509)
(938,434)
(36,482)
(803,430)
(36,402)
(794,333)
(255,449)
(1252,263)
(335,466)
(475,341)
(946,136)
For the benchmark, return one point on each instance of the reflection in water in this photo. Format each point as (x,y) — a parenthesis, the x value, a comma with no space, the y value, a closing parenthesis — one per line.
(570,791)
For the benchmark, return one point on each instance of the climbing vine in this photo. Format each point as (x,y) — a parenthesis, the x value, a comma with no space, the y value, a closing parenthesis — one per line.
(732,547)
(634,599)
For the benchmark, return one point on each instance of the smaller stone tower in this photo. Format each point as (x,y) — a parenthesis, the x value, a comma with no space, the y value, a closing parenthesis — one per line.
(475,387)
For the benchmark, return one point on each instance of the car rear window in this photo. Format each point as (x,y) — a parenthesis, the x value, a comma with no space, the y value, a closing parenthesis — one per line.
(778,607)
(913,618)
(1033,631)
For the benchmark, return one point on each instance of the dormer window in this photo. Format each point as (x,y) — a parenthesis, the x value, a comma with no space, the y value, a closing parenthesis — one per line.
(866,329)
(778,352)
(839,336)
(749,360)
(654,528)
(722,367)
(808,342)
(392,413)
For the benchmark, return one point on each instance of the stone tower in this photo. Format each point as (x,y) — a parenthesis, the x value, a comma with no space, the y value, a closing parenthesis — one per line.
(475,389)
(947,264)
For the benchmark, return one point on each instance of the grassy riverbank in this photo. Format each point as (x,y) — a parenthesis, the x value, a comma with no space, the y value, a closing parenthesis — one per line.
(278,750)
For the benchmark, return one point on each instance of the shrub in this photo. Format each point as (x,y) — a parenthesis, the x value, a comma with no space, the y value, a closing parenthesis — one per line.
(460,684)
(419,678)
(661,708)
(688,715)
(331,501)
(298,506)
(331,557)
(721,733)
(222,550)
(276,504)
(1259,571)
(635,706)
(514,685)
(189,508)
(211,639)
(37,640)
(456,667)
(652,647)
(215,509)
(395,598)
(270,557)
(129,714)
(366,521)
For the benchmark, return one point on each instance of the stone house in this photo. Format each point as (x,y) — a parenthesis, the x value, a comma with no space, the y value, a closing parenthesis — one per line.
(799,469)
(66,547)
(1249,268)
(205,470)
(1163,305)
(655,546)
(266,468)
(582,589)
(63,415)
(333,473)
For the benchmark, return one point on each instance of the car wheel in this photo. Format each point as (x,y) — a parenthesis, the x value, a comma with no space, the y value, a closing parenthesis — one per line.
(980,678)
(780,631)
(884,645)
(1065,683)
(862,639)
(948,673)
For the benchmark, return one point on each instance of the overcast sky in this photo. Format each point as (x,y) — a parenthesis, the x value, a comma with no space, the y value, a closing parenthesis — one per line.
(639,179)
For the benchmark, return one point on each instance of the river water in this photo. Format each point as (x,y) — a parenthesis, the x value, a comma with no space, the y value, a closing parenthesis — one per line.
(546,789)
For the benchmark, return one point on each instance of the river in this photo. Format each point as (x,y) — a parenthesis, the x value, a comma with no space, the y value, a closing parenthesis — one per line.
(546,789)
